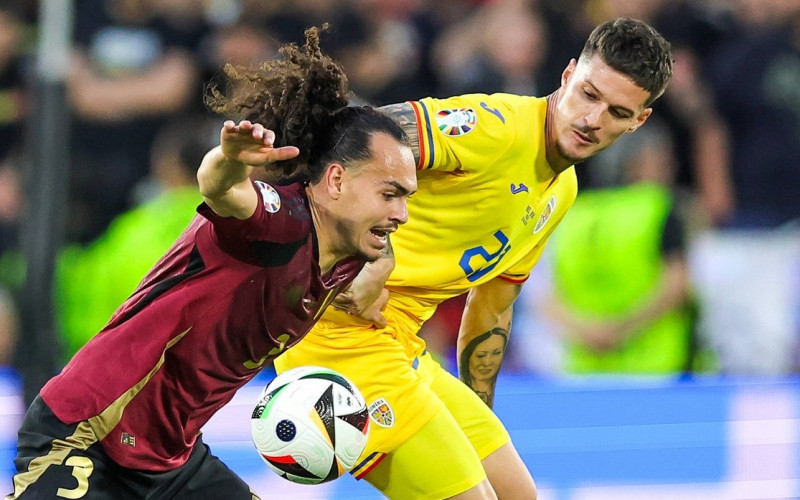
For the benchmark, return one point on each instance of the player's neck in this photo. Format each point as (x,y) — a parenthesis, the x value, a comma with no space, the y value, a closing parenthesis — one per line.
(556,161)
(325,230)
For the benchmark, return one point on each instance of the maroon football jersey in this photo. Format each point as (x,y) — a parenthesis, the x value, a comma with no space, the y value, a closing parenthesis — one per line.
(227,298)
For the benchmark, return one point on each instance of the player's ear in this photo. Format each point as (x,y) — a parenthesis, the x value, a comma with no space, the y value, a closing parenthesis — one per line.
(567,73)
(334,179)
(643,116)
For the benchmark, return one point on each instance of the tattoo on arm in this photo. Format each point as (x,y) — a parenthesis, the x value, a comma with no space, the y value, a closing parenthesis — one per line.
(388,251)
(404,115)
(481,360)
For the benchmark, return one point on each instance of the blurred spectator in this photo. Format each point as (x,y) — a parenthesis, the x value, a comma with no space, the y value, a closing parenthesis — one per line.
(93,280)
(749,271)
(603,10)
(567,23)
(499,48)
(239,44)
(133,68)
(12,267)
(387,63)
(13,88)
(756,76)
(688,106)
(621,294)
(11,202)
(9,326)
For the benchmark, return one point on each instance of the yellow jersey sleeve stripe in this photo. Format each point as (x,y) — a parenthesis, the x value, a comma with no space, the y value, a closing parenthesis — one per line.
(425,134)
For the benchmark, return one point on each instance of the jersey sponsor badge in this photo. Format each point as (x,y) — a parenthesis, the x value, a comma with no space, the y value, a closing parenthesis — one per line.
(455,122)
(381,413)
(128,439)
(272,200)
(548,211)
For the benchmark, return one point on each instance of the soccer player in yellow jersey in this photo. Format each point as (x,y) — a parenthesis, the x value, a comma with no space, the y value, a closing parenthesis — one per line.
(495,178)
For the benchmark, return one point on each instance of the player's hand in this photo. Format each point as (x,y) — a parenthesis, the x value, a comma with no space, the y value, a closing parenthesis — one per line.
(373,312)
(363,306)
(251,144)
(365,297)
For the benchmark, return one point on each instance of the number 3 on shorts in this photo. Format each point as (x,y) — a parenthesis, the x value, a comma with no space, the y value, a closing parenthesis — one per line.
(82,468)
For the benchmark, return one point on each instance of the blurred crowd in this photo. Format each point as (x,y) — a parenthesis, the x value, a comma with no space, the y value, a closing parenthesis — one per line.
(683,256)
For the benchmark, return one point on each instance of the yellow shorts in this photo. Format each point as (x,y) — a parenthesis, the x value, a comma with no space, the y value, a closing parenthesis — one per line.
(405,388)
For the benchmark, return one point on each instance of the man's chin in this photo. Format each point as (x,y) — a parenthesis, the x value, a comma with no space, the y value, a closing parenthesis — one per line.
(369,255)
(578,153)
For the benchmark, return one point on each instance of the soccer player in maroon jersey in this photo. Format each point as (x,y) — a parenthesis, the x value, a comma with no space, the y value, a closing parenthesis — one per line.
(246,280)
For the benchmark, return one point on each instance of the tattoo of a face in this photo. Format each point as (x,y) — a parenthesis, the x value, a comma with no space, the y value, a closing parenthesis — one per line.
(481,360)
(404,115)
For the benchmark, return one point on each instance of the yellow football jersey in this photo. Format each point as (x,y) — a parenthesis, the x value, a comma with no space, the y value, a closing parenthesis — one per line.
(487,199)
(486,202)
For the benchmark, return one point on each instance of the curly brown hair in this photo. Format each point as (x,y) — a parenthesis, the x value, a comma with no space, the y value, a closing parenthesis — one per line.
(304,99)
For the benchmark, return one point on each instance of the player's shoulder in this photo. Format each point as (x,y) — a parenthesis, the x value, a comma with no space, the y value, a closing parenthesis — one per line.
(502,105)
(498,118)
(286,206)
(478,98)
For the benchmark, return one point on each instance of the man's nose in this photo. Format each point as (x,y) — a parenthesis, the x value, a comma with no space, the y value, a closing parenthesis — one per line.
(594,116)
(400,214)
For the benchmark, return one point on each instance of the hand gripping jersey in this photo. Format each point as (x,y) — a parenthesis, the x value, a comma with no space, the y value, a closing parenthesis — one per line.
(227,298)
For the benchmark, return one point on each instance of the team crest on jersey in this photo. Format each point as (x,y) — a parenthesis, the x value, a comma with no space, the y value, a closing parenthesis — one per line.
(272,200)
(548,211)
(381,413)
(454,122)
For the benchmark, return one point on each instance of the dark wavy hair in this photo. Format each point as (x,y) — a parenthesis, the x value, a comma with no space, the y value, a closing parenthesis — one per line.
(303,97)
(635,49)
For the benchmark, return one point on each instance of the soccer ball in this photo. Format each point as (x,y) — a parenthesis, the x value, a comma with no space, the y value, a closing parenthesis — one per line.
(310,425)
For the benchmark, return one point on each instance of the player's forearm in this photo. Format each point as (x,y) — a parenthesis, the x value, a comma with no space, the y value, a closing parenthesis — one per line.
(221,183)
(487,314)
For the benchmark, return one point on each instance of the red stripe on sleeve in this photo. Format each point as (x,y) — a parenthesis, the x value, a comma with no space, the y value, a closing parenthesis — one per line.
(420,135)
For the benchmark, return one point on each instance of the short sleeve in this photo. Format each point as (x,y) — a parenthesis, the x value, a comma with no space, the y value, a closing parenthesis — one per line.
(466,131)
(519,272)
(256,227)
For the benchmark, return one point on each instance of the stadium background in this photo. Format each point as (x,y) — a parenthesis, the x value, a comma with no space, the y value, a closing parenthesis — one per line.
(730,432)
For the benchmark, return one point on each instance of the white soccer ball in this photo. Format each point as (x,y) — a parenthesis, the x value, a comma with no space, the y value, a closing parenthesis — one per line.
(310,425)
